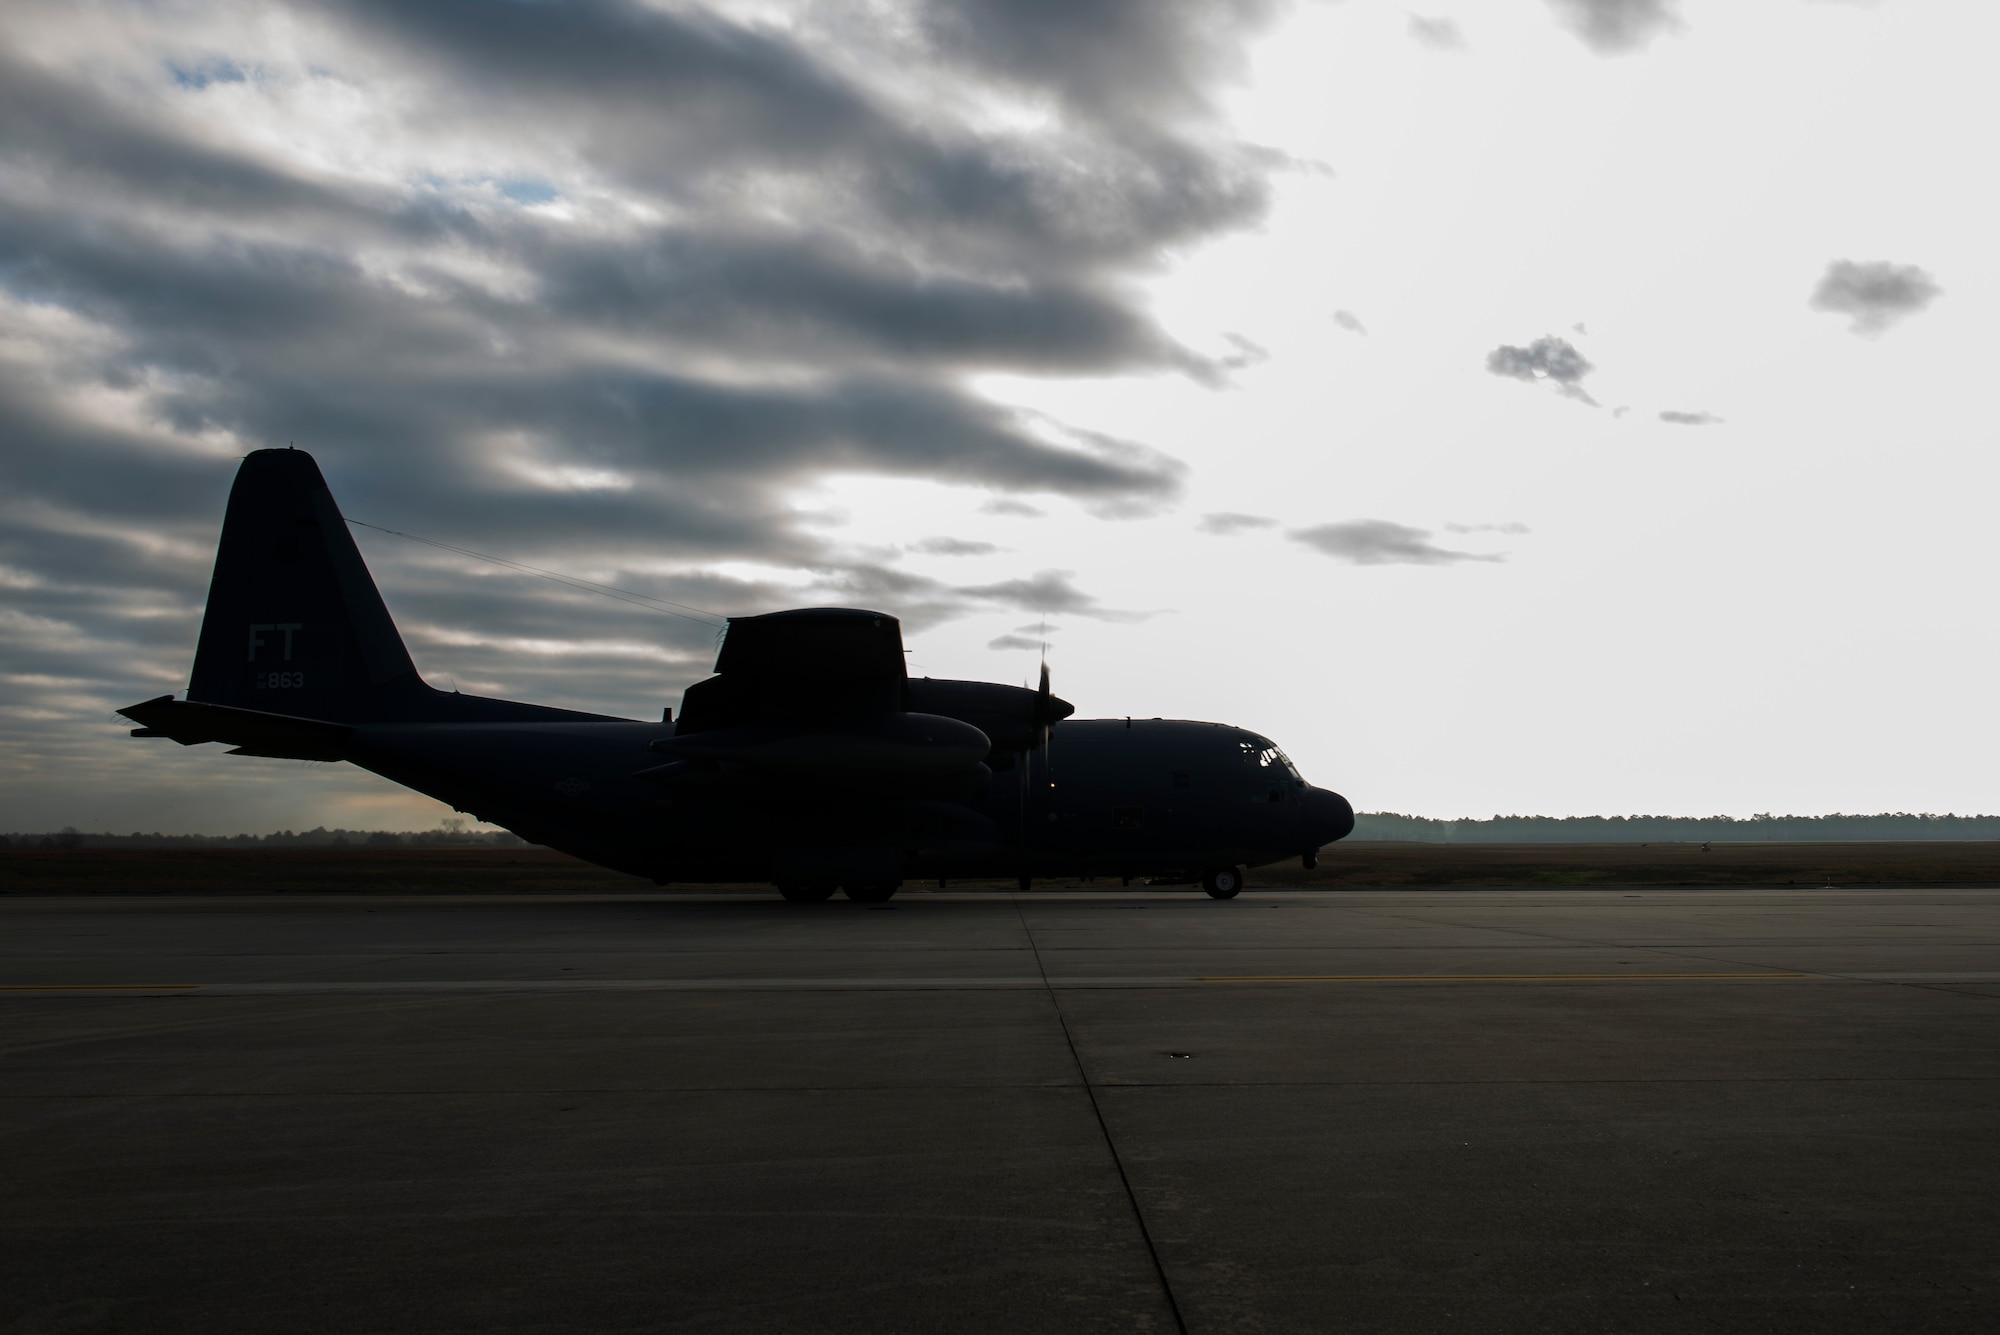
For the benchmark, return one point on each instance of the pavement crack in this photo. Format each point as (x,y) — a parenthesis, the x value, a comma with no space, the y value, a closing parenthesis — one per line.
(1103,1127)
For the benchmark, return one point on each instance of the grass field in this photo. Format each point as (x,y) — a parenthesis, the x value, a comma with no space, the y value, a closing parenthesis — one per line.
(1344,866)
(1376,865)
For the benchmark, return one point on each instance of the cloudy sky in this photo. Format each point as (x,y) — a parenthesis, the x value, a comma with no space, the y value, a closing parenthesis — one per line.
(1560,406)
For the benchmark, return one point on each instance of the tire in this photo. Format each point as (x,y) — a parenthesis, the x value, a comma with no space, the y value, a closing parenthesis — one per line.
(870,892)
(1222,882)
(807,892)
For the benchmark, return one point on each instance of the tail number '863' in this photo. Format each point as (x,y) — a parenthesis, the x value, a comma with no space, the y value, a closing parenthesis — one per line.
(278,681)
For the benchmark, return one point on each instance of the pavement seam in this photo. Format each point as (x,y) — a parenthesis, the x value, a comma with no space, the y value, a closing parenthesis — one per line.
(1103,1127)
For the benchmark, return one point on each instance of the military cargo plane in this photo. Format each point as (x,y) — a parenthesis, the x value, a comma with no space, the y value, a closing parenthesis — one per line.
(811,759)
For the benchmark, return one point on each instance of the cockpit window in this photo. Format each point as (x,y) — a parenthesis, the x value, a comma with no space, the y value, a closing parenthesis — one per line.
(1261,754)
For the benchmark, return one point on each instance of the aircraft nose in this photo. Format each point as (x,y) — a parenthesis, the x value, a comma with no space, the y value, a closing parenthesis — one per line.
(1327,817)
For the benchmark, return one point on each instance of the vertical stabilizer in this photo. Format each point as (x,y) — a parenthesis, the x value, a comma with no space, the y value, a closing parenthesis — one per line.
(294,623)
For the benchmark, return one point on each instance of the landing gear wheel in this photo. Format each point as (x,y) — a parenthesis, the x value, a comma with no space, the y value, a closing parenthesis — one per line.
(870,892)
(807,892)
(1222,882)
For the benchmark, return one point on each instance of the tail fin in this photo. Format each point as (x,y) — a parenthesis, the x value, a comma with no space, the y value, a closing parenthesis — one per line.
(294,622)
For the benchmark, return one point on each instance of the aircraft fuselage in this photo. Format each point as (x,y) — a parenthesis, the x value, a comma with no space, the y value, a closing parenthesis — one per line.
(1102,797)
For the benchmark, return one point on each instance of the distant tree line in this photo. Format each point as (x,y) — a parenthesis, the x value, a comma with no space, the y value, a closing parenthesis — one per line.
(1385,825)
(1889,825)
(451,835)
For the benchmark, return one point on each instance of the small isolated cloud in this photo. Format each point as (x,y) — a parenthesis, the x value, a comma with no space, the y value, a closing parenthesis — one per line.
(1513,529)
(1007,505)
(1247,352)
(1224,524)
(1046,591)
(1032,636)
(1611,26)
(1378,542)
(1436,33)
(1876,293)
(1548,358)
(953,547)
(1351,322)
(1690,419)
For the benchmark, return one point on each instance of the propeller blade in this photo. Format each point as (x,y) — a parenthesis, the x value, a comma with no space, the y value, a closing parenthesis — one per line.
(1046,710)
(1044,707)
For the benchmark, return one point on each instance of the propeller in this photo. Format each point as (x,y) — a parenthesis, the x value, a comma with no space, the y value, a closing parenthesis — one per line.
(1041,709)
(1044,715)
(1045,718)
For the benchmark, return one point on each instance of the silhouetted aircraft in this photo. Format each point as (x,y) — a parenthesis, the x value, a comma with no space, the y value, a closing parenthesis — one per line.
(811,759)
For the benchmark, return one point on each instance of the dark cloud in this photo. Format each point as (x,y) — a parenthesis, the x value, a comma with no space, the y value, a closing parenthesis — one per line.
(1377,542)
(1225,523)
(1609,26)
(1439,34)
(1689,419)
(596,286)
(1114,59)
(827,300)
(1875,293)
(922,601)
(1549,359)
(1014,642)
(861,116)
(1351,322)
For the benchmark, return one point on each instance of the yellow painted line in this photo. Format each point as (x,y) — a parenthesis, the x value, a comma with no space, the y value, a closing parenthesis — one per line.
(100,987)
(1482,977)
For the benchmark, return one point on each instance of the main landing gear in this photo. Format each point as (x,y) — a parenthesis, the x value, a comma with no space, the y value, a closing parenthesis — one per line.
(1222,882)
(807,892)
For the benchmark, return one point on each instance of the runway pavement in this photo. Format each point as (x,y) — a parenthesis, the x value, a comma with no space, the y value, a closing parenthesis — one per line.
(1506,1110)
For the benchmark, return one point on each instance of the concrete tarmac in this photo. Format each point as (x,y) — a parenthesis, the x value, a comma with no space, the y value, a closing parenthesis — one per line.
(1509,1110)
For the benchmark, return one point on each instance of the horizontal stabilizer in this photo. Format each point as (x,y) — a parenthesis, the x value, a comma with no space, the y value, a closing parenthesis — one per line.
(252,732)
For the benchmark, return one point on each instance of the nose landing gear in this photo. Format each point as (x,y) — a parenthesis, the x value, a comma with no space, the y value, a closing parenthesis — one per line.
(1222,882)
